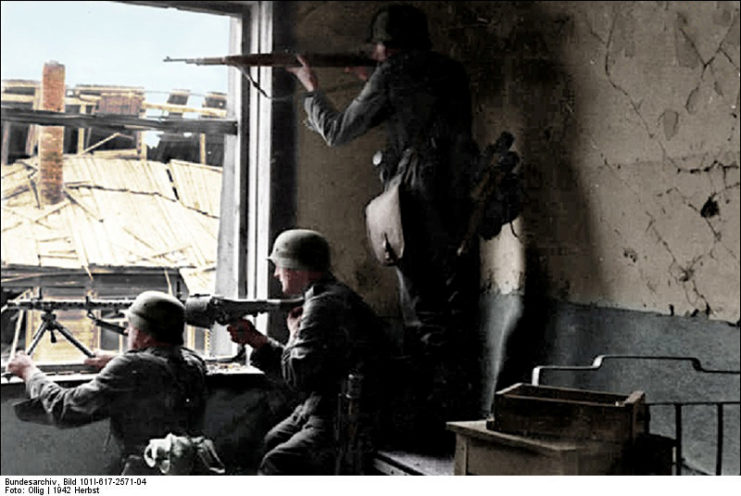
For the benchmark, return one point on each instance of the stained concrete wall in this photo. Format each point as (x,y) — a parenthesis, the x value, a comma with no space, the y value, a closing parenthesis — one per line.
(626,116)
(631,147)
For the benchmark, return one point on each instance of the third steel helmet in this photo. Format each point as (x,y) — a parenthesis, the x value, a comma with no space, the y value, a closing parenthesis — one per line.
(400,26)
(300,249)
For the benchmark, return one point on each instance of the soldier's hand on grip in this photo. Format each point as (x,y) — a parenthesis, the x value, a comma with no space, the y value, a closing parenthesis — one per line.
(244,332)
(294,320)
(100,359)
(21,365)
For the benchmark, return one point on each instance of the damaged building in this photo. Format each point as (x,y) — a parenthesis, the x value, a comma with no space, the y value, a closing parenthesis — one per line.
(609,307)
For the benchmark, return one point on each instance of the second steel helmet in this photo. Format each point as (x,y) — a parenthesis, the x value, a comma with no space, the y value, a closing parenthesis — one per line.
(301,249)
(400,26)
(158,314)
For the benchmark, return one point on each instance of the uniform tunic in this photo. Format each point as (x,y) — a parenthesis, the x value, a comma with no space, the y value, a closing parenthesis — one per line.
(338,335)
(423,99)
(146,393)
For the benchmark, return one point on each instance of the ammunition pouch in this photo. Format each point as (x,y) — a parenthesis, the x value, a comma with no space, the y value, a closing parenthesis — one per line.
(183,455)
(383,214)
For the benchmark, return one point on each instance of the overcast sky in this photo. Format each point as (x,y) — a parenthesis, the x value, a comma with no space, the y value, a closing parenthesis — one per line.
(104,42)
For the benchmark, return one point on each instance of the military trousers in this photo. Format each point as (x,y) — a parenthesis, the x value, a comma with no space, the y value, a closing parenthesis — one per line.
(301,444)
(439,303)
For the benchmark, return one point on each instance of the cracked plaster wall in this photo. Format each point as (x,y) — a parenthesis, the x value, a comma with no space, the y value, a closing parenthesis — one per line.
(634,196)
(662,174)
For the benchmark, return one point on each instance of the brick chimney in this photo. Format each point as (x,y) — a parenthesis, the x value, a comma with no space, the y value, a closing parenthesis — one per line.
(51,138)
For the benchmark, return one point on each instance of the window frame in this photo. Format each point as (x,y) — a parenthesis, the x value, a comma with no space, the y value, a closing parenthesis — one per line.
(242,265)
(242,269)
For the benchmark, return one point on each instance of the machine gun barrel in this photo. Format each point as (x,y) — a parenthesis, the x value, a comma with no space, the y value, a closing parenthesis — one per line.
(49,305)
(205,310)
(282,59)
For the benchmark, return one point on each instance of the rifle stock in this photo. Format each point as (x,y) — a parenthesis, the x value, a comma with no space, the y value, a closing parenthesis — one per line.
(281,59)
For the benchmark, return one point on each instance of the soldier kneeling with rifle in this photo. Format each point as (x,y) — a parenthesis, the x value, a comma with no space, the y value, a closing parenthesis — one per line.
(154,389)
(335,340)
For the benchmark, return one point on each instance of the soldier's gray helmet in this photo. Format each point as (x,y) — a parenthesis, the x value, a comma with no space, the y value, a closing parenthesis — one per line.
(301,249)
(158,314)
(400,26)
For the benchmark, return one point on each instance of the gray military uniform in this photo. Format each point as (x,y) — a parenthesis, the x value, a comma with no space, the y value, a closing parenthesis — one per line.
(146,394)
(338,334)
(423,99)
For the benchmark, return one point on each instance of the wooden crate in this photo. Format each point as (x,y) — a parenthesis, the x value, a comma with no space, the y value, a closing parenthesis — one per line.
(482,451)
(526,409)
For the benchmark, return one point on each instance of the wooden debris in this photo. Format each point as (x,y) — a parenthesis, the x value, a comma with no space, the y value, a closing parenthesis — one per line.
(119,122)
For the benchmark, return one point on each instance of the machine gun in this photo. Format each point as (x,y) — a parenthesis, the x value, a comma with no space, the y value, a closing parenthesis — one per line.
(283,59)
(47,305)
(200,311)
(49,320)
(205,310)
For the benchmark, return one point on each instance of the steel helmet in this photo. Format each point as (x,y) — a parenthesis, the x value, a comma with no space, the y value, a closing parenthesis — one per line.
(301,249)
(400,26)
(160,315)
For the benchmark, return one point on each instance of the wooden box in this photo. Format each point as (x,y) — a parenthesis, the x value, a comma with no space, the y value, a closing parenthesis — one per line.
(526,409)
(482,451)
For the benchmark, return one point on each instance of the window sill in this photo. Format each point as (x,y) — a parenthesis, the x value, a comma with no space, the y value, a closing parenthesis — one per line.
(70,374)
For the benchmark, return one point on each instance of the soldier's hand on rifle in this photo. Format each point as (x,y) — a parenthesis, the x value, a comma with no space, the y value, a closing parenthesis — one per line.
(305,74)
(100,359)
(22,366)
(244,332)
(294,320)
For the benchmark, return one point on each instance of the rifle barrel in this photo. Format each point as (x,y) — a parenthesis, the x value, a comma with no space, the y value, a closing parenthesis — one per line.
(282,60)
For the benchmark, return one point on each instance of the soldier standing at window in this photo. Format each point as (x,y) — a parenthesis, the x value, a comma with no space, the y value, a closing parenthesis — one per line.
(423,99)
(157,387)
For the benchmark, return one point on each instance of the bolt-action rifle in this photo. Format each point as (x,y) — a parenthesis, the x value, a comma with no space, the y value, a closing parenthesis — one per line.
(283,59)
